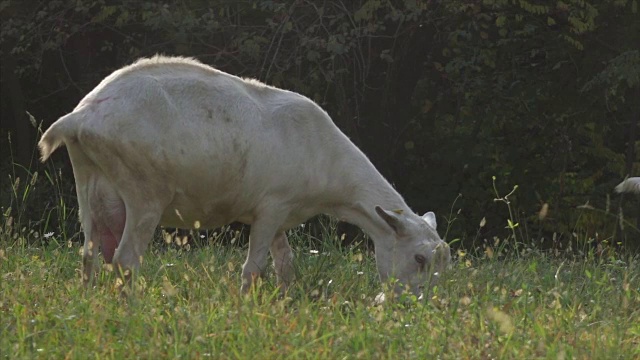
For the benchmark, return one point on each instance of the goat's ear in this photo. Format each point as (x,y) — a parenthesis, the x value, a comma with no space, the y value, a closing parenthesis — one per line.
(430,218)
(392,218)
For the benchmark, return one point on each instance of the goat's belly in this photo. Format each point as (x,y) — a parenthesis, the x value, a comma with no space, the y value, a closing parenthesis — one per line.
(187,219)
(204,211)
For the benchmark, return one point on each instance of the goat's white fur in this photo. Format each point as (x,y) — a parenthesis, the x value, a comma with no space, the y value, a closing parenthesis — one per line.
(630,185)
(171,141)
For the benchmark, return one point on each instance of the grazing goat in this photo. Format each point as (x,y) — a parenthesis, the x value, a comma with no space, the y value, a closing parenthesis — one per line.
(630,185)
(170,141)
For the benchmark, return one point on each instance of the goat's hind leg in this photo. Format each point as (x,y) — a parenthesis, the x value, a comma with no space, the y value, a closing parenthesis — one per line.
(90,249)
(92,240)
(86,173)
(102,217)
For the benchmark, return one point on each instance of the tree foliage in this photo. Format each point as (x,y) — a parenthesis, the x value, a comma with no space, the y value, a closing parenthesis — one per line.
(443,95)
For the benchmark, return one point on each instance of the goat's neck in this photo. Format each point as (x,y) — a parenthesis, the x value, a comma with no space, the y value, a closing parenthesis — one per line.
(359,205)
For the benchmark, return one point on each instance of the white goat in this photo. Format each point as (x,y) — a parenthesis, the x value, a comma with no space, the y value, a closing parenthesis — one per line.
(630,185)
(171,141)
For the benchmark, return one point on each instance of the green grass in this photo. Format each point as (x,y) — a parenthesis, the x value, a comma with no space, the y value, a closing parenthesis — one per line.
(509,304)
(188,305)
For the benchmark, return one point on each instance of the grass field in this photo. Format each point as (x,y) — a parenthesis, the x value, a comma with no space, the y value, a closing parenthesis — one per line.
(524,304)
(187,305)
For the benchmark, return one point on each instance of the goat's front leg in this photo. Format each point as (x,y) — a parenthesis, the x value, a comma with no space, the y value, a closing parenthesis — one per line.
(282,260)
(140,224)
(263,231)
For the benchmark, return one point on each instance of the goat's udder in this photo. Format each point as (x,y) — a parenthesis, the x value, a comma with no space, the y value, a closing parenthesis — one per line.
(109,245)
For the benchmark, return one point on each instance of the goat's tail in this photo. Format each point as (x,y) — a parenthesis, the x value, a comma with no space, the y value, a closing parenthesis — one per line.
(59,133)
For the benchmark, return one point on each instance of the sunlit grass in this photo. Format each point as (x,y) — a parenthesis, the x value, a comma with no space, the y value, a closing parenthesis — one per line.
(188,304)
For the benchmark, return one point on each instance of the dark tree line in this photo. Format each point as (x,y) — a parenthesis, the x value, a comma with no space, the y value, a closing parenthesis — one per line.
(456,102)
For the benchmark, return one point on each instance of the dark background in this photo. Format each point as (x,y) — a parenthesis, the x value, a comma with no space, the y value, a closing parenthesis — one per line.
(442,95)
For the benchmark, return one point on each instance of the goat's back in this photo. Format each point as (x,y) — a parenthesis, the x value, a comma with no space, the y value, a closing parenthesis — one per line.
(217,145)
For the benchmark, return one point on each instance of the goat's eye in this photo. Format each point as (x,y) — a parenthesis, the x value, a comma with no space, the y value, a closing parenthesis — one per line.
(421,260)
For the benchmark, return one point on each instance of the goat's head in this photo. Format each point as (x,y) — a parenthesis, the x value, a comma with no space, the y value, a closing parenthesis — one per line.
(416,256)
